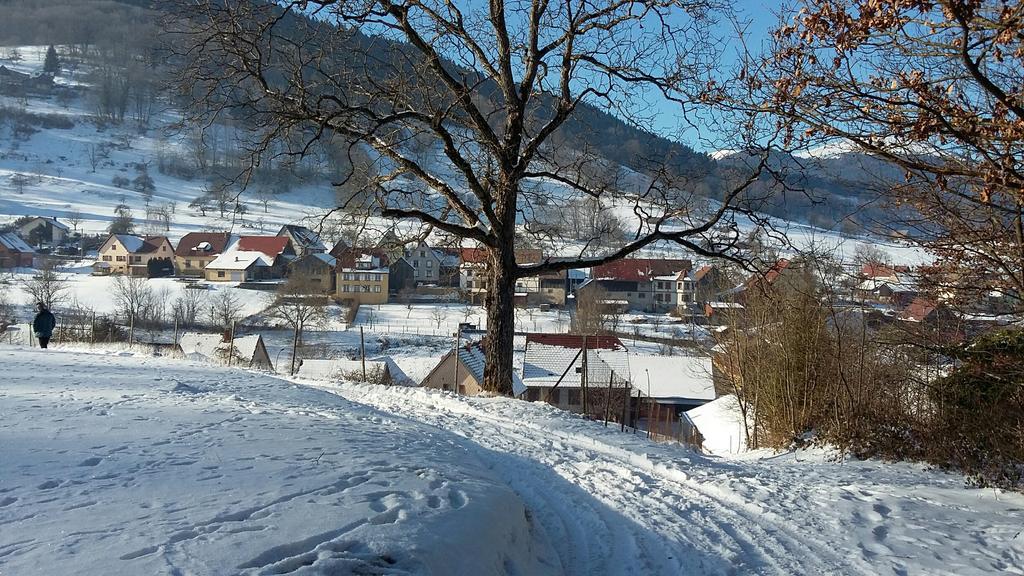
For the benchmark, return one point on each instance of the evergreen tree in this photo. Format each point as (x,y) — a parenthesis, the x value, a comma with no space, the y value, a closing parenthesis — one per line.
(51,65)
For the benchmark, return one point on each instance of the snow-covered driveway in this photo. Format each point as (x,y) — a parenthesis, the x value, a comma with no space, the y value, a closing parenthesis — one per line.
(612,503)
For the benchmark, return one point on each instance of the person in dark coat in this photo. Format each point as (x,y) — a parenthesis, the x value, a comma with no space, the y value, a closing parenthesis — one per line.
(43,324)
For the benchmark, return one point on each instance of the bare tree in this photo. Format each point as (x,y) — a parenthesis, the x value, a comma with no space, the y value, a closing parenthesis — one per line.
(187,307)
(299,304)
(224,309)
(133,296)
(439,314)
(47,286)
(487,89)
(75,218)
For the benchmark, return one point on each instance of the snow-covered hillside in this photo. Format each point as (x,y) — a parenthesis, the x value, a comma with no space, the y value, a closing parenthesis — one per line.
(60,180)
(117,464)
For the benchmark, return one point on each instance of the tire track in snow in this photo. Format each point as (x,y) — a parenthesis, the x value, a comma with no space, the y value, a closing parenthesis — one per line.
(649,517)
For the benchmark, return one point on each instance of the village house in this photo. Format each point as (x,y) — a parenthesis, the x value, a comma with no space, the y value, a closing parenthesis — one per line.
(131,255)
(277,250)
(646,284)
(669,386)
(426,263)
(238,266)
(401,277)
(473,274)
(14,83)
(197,249)
(43,231)
(364,283)
(249,351)
(15,252)
(553,368)
(465,374)
(303,240)
(885,284)
(318,268)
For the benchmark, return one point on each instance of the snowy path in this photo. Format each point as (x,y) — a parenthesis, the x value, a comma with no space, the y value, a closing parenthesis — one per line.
(616,504)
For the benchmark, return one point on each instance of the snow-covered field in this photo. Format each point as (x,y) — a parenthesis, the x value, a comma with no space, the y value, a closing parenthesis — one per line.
(444,319)
(119,464)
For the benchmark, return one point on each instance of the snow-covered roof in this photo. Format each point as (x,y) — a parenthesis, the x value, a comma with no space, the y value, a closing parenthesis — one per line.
(14,243)
(239,260)
(337,369)
(49,220)
(213,346)
(544,364)
(303,236)
(326,258)
(131,243)
(473,358)
(673,377)
(720,423)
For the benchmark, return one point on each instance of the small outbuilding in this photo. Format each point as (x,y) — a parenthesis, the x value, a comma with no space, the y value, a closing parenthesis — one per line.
(249,351)
(465,373)
(342,370)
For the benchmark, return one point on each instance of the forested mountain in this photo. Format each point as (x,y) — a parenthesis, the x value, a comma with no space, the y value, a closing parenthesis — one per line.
(833,192)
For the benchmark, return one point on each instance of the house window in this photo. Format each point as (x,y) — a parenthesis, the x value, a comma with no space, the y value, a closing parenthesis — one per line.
(376,289)
(469,283)
(430,264)
(679,286)
(120,258)
(108,258)
(430,273)
(188,263)
(344,287)
(415,263)
(642,295)
(220,273)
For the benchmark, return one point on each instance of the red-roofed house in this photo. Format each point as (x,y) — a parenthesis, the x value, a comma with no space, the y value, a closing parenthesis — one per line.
(197,249)
(647,284)
(277,249)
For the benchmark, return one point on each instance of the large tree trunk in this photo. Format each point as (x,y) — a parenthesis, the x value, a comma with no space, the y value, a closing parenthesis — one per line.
(501,320)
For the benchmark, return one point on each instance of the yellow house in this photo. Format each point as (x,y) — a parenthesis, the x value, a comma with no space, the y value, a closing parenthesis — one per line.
(366,283)
(197,249)
(131,255)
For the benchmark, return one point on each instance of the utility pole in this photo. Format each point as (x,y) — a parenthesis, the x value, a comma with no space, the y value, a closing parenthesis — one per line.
(455,351)
(362,351)
(231,343)
(583,377)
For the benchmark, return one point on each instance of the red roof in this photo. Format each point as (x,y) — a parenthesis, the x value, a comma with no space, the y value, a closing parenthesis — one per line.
(641,269)
(479,256)
(347,256)
(272,246)
(919,309)
(575,341)
(188,244)
(152,244)
(702,272)
(877,270)
(773,274)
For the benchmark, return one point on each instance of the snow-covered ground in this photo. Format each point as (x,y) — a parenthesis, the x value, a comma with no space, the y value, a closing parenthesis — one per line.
(115,464)
(119,464)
